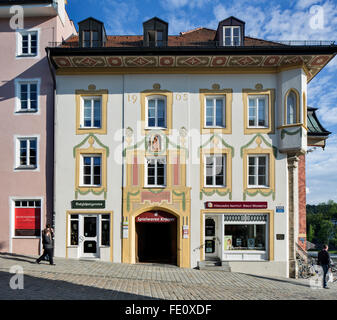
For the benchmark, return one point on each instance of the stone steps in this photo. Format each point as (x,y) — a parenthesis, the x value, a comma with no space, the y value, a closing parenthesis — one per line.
(214,265)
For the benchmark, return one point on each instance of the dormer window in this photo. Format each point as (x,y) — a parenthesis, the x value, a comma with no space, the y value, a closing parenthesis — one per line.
(155,32)
(232,36)
(91,33)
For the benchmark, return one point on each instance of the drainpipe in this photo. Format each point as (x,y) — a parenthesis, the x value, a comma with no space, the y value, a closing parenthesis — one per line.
(292,165)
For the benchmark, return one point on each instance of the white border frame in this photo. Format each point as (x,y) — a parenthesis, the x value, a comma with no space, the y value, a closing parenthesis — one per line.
(146,185)
(16,167)
(154,97)
(266,111)
(256,175)
(223,98)
(232,36)
(92,111)
(81,180)
(223,155)
(18,51)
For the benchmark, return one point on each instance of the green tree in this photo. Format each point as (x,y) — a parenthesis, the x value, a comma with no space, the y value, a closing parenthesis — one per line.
(311,233)
(326,232)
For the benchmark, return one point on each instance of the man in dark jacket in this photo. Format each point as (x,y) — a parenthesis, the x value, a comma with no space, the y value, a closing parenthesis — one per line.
(48,245)
(324,261)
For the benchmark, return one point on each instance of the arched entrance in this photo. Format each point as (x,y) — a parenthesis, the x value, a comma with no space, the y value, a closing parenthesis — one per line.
(156,237)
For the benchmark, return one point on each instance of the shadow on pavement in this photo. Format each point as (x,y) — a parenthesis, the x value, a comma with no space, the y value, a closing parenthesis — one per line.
(291,281)
(47,289)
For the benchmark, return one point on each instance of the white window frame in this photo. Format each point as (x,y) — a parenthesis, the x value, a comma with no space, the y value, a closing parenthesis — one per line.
(17,165)
(231,36)
(214,98)
(12,219)
(18,83)
(214,156)
(91,170)
(256,176)
(92,99)
(19,34)
(266,110)
(156,98)
(155,172)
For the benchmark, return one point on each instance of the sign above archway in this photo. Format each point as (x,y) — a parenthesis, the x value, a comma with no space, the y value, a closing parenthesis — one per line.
(156,217)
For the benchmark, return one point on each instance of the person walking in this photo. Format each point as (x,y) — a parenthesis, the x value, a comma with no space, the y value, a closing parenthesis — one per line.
(324,261)
(48,245)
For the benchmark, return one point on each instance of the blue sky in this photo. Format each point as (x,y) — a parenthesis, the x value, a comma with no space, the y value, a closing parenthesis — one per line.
(267,19)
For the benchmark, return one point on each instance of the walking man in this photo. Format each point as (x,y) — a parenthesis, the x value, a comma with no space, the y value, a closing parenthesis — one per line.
(324,261)
(48,244)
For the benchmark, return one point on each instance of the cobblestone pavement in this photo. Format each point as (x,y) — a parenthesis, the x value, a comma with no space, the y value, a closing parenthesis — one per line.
(78,279)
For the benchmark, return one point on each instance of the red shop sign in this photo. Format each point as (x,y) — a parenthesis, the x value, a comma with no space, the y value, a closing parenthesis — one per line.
(236,205)
(27,218)
(156,217)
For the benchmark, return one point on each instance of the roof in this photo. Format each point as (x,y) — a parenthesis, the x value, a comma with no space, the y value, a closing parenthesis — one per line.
(314,126)
(198,37)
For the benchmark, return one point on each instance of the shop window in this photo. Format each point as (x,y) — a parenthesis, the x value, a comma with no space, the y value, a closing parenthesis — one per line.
(74,225)
(27,218)
(209,227)
(245,232)
(105,230)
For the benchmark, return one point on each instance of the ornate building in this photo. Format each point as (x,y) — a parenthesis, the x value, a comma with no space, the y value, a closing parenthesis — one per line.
(185,149)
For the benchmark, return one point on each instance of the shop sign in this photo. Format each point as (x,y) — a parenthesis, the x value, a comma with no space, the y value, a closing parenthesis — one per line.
(279,209)
(125,230)
(88,204)
(185,232)
(280,237)
(236,205)
(155,217)
(27,218)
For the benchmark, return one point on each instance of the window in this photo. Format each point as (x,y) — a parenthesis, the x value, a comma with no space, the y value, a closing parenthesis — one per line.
(215,112)
(27,220)
(92,112)
(215,171)
(91,170)
(105,230)
(291,108)
(156,172)
(90,39)
(28,43)
(258,111)
(26,153)
(74,225)
(258,171)
(155,38)
(245,232)
(232,36)
(156,112)
(28,96)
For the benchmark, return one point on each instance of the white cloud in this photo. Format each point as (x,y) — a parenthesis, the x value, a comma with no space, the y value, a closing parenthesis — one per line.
(174,4)
(303,4)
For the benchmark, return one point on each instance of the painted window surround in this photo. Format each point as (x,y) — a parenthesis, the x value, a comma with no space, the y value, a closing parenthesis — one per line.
(17,83)
(17,167)
(227,95)
(78,176)
(259,91)
(18,53)
(270,169)
(91,92)
(228,169)
(156,92)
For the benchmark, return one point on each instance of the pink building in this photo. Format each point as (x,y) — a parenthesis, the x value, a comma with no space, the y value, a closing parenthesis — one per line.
(27,108)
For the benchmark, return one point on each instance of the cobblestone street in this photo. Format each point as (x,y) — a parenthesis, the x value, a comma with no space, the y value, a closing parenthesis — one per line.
(78,279)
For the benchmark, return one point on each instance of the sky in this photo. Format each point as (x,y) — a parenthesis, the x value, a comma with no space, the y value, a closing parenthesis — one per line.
(266,19)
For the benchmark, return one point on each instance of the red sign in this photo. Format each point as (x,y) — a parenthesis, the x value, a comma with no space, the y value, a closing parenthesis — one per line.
(27,218)
(155,217)
(236,205)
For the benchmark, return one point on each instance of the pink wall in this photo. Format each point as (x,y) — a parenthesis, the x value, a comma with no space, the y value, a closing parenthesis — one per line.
(26,184)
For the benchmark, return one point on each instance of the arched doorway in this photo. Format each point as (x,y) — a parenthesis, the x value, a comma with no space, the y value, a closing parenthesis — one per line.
(156,237)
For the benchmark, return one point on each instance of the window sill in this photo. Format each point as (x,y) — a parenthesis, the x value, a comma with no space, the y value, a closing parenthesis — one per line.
(26,168)
(154,187)
(156,128)
(27,111)
(29,55)
(26,237)
(258,187)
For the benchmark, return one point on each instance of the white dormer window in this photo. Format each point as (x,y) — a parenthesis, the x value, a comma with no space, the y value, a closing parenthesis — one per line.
(231,36)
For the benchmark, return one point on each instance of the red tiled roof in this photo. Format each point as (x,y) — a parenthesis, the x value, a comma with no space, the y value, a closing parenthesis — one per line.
(198,36)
